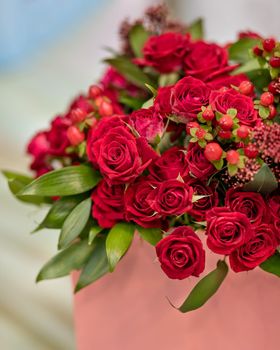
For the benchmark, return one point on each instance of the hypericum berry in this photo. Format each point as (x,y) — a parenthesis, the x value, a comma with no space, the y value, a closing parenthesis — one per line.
(266,99)
(98,101)
(191,125)
(225,134)
(257,51)
(226,122)
(269,44)
(274,62)
(94,91)
(243,131)
(251,151)
(200,133)
(75,136)
(78,115)
(272,112)
(105,109)
(246,87)
(208,114)
(232,157)
(213,151)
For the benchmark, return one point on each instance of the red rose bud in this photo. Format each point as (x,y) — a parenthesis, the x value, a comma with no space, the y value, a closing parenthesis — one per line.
(243,131)
(257,51)
(272,112)
(232,157)
(208,114)
(226,122)
(266,99)
(213,151)
(200,133)
(246,88)
(105,109)
(251,151)
(191,125)
(274,86)
(78,115)
(274,62)
(75,136)
(269,44)
(225,134)
(94,91)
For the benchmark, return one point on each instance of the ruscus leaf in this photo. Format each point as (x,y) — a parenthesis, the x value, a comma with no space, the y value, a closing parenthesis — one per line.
(196,29)
(264,181)
(151,235)
(137,38)
(272,264)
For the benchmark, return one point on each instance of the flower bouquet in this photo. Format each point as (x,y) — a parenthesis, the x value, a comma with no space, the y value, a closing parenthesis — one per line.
(179,140)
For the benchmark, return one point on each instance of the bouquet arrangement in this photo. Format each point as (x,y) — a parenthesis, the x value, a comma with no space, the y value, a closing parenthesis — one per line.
(179,139)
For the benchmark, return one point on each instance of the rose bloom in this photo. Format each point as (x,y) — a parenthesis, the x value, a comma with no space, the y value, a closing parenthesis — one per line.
(181,254)
(251,204)
(165,52)
(206,61)
(211,199)
(171,197)
(187,97)
(57,137)
(227,81)
(258,249)
(199,166)
(170,165)
(148,123)
(221,101)
(162,101)
(227,230)
(108,204)
(137,208)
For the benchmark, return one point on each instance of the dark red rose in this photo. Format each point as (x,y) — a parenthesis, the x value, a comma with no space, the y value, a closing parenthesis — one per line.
(171,197)
(165,52)
(199,166)
(223,100)
(206,61)
(274,205)
(170,165)
(259,248)
(137,208)
(201,206)
(181,254)
(187,97)
(108,204)
(162,101)
(227,81)
(148,123)
(227,230)
(57,136)
(251,204)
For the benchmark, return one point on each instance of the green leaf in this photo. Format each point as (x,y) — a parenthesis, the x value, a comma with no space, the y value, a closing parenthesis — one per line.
(168,79)
(17,182)
(272,264)
(93,232)
(218,164)
(197,197)
(196,29)
(264,181)
(130,71)
(74,223)
(137,38)
(151,89)
(240,51)
(59,212)
(63,182)
(131,102)
(69,259)
(205,288)
(264,112)
(151,235)
(232,169)
(118,241)
(96,266)
(247,67)
(260,78)
(148,103)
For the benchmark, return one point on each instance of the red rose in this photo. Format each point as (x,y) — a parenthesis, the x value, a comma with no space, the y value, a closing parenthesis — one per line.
(170,165)
(199,166)
(108,204)
(165,52)
(201,206)
(251,204)
(137,208)
(162,101)
(249,34)
(227,81)
(147,123)
(227,230)
(206,61)
(57,136)
(181,254)
(82,103)
(221,101)
(259,248)
(171,197)
(274,205)
(187,97)
(39,144)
